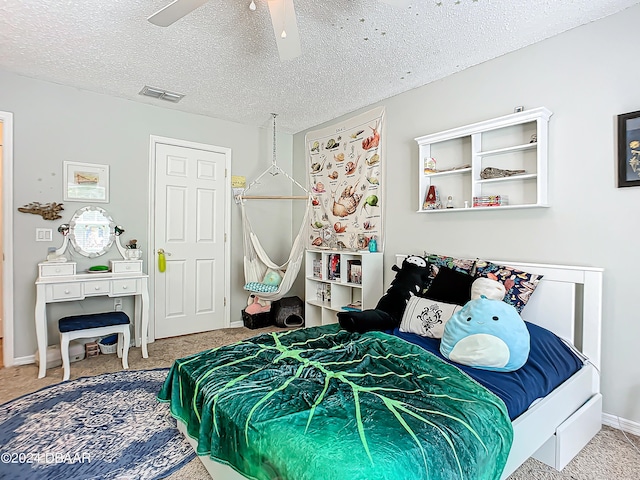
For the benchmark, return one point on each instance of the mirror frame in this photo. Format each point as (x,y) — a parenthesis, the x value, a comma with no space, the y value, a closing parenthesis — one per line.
(72,236)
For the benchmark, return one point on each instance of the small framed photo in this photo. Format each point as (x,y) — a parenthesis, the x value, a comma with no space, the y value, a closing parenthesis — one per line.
(88,182)
(629,149)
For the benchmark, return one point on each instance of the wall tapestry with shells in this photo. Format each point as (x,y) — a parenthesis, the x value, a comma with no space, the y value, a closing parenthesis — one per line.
(345,166)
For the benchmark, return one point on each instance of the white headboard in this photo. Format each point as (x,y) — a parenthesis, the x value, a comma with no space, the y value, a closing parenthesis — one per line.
(567,301)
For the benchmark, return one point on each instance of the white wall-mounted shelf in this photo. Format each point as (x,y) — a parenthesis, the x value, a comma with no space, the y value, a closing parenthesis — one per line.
(319,311)
(506,143)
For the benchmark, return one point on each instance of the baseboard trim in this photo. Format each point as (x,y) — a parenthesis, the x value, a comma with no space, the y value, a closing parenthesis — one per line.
(24,360)
(621,424)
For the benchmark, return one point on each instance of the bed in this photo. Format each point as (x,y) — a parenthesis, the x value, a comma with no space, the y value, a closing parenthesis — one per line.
(553,429)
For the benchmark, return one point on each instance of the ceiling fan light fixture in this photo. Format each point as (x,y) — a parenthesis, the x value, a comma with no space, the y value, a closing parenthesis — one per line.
(161,94)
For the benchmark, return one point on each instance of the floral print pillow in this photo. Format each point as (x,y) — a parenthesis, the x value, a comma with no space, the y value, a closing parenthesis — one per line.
(518,284)
(457,264)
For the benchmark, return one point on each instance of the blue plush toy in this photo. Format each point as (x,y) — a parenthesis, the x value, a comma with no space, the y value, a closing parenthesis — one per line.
(487,334)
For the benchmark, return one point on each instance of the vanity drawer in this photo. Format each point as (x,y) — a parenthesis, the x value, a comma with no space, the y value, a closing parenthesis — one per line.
(97,287)
(127,286)
(65,291)
(126,266)
(56,269)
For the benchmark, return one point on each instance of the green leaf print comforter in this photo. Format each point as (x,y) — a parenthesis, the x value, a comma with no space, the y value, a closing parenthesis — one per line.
(322,403)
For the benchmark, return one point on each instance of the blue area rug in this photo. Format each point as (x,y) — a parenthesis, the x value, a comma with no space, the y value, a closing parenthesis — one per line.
(105,427)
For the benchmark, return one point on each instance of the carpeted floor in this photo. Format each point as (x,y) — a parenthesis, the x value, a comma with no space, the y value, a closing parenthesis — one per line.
(609,455)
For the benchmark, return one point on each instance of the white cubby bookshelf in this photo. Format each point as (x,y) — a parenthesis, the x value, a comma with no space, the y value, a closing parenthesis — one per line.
(518,141)
(321,310)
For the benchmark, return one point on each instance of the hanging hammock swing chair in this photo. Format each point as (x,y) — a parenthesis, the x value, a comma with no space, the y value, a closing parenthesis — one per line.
(264,278)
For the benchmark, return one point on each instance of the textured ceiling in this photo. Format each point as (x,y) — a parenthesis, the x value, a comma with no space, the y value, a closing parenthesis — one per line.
(223,56)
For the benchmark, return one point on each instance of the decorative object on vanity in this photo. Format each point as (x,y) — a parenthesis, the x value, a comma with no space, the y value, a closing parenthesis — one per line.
(505,156)
(98,269)
(49,211)
(629,149)
(87,182)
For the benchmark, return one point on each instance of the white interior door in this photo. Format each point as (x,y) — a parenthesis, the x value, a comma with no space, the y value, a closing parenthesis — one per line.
(190,209)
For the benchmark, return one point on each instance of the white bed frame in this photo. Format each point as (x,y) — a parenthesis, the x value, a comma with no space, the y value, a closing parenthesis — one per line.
(567,301)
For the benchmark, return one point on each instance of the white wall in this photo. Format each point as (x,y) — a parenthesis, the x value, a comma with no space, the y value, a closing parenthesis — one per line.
(586,77)
(54,123)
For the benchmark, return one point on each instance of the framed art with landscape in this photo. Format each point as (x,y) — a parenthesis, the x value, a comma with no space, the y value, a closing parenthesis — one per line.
(88,182)
(629,149)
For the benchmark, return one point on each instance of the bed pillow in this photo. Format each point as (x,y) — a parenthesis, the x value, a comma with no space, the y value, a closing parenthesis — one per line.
(457,264)
(427,317)
(487,334)
(450,286)
(519,285)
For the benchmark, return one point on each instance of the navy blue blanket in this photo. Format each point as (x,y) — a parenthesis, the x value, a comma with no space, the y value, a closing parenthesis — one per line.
(550,363)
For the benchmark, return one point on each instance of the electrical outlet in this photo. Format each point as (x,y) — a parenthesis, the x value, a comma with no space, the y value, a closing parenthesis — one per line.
(44,235)
(117,304)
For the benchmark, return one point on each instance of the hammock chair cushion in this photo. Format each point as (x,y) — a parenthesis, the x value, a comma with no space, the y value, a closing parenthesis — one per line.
(260,287)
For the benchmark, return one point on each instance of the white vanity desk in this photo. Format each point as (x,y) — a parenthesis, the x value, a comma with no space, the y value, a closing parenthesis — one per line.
(91,232)
(68,288)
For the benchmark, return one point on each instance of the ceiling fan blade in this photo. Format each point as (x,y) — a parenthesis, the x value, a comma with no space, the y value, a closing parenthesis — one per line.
(283,18)
(397,3)
(174,11)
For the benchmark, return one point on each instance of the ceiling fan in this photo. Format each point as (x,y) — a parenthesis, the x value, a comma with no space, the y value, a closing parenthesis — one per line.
(283,18)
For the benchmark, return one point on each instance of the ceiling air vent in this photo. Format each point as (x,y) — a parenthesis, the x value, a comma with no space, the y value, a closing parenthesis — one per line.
(161,94)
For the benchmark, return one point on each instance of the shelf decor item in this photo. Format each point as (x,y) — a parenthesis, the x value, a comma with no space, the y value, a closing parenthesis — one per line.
(629,149)
(493,172)
(432,199)
(354,271)
(491,201)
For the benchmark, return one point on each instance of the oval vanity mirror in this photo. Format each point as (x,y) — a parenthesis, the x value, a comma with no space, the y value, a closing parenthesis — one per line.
(91,231)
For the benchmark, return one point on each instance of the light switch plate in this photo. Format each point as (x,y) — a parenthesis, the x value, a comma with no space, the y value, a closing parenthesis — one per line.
(44,235)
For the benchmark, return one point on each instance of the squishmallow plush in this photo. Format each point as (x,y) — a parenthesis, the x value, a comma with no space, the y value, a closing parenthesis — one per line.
(487,334)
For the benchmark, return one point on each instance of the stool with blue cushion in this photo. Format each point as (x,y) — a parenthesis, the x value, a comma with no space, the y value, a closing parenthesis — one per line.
(94,325)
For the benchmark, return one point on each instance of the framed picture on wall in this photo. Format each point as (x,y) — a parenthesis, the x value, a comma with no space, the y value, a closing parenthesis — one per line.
(629,149)
(87,182)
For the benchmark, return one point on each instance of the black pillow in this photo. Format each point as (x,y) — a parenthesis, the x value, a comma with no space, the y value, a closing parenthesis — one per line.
(450,286)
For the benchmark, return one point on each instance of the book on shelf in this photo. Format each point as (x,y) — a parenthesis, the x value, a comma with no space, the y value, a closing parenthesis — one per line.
(323,292)
(354,271)
(334,267)
(353,306)
(317,269)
